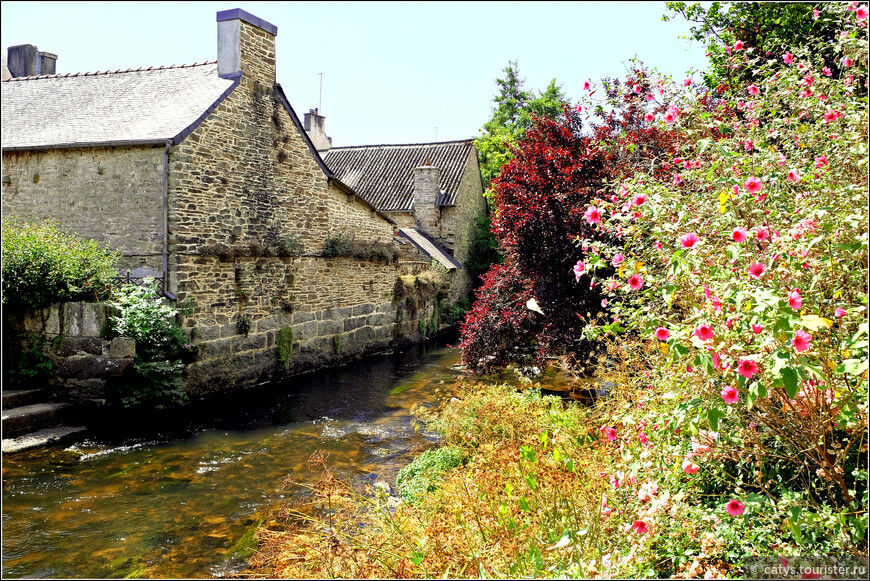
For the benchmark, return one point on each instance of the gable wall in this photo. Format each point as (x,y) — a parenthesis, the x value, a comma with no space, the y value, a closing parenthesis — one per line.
(240,183)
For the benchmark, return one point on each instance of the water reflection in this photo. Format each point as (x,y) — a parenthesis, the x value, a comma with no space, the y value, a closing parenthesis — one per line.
(173,496)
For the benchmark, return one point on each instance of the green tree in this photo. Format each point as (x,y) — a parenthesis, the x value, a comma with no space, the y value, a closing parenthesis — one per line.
(514,113)
(769,28)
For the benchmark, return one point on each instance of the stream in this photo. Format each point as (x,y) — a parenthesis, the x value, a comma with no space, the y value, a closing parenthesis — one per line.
(179,495)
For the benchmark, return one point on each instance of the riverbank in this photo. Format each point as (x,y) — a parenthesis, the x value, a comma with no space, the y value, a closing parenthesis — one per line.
(181,496)
(548,487)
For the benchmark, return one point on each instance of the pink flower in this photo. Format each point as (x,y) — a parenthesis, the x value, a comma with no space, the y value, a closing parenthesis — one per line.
(793,175)
(678,179)
(689,240)
(657,245)
(756,270)
(593,215)
(756,329)
(752,90)
(801,340)
(847,62)
(808,80)
(704,332)
(638,88)
(738,234)
(690,467)
(586,85)
(606,561)
(687,82)
(738,45)
(609,432)
(662,334)
(579,269)
(821,161)
(832,116)
(747,368)
(671,115)
(642,437)
(639,527)
(752,184)
(638,199)
(794,299)
(762,234)
(734,507)
(827,71)
(861,12)
(787,58)
(815,14)
(617,259)
(649,117)
(748,145)
(730,394)
(839,313)
(635,282)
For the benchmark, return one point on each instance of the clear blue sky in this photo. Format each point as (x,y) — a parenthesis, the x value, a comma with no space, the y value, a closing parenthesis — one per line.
(392,71)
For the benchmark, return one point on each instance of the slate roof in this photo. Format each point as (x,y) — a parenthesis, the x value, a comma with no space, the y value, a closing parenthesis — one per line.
(112,107)
(430,248)
(384,174)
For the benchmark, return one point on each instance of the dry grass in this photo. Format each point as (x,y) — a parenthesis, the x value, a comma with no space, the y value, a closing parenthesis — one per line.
(520,505)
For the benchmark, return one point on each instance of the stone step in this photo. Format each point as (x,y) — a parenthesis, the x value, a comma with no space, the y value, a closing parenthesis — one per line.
(40,438)
(29,418)
(13,398)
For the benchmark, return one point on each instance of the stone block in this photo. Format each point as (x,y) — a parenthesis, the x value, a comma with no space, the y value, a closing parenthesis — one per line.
(121,347)
(68,346)
(91,367)
(215,349)
(363,309)
(303,317)
(354,323)
(337,313)
(325,328)
(207,332)
(93,320)
(251,342)
(380,319)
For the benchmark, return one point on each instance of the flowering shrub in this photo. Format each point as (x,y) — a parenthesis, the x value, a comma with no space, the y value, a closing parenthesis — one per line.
(543,201)
(744,269)
(161,346)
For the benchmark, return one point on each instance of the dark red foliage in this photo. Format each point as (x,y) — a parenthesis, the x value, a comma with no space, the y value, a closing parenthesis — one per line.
(541,197)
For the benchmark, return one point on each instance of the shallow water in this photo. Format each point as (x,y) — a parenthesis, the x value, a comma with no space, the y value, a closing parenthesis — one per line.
(174,496)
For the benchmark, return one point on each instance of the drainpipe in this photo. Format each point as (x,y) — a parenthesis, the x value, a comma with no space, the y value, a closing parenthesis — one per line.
(166,292)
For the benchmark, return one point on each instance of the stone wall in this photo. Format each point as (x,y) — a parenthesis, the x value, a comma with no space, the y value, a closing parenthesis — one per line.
(459,224)
(112,194)
(85,364)
(244,188)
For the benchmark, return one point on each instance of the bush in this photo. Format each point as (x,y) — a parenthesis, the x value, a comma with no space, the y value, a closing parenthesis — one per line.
(161,345)
(43,265)
(342,244)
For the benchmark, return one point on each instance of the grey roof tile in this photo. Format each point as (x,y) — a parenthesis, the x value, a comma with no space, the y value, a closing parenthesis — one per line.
(141,105)
(384,174)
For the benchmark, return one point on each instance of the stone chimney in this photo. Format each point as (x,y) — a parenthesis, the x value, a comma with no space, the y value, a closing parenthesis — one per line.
(246,46)
(25,60)
(427,186)
(315,126)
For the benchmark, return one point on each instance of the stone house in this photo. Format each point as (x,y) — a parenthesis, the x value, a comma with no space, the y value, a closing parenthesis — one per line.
(433,191)
(204,177)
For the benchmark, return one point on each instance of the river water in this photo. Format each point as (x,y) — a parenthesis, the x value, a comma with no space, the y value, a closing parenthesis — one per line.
(175,495)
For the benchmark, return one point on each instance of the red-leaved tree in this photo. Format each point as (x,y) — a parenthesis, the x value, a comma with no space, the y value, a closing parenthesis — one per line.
(542,223)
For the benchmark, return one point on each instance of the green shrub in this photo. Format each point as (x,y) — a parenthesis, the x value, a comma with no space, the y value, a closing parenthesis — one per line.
(426,471)
(160,344)
(43,265)
(31,366)
(285,346)
(289,245)
(339,244)
(342,244)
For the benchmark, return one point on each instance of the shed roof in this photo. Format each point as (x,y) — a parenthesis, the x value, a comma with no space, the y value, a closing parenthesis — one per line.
(384,174)
(152,104)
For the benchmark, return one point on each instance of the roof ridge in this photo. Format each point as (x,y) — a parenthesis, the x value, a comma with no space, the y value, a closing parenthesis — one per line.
(109,72)
(469,140)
